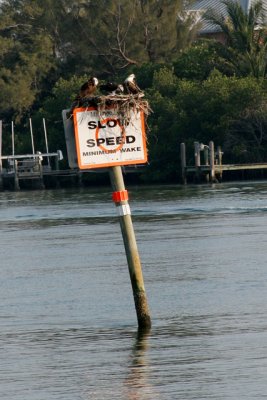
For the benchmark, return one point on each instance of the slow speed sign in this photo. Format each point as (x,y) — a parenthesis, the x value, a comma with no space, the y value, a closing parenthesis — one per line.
(104,140)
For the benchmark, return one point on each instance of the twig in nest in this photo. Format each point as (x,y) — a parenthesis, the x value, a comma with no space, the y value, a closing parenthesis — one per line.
(123,104)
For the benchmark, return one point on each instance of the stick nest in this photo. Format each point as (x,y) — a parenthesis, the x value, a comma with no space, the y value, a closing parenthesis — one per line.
(123,104)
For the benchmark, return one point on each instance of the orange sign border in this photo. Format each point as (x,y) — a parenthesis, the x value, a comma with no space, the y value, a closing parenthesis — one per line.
(108,164)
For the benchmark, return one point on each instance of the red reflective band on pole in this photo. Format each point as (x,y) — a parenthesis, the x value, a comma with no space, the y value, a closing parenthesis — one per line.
(120,196)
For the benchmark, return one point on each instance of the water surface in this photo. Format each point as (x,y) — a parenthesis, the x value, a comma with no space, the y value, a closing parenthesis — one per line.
(67,318)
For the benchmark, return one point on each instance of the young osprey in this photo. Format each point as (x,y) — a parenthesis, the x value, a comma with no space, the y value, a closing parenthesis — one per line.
(88,88)
(131,85)
(112,88)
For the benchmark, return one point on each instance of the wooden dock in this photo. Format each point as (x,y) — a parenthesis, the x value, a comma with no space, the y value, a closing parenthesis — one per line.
(34,166)
(15,168)
(210,164)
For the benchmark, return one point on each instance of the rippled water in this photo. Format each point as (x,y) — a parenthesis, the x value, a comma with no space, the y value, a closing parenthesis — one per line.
(68,327)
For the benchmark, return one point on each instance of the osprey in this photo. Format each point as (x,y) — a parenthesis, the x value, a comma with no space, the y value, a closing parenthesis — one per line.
(112,88)
(88,88)
(85,94)
(131,85)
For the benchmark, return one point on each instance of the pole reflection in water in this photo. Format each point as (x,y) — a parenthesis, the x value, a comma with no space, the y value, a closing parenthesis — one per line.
(137,382)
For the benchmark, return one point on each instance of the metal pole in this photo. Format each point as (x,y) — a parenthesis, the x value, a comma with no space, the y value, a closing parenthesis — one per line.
(13,138)
(46,142)
(120,198)
(33,150)
(13,145)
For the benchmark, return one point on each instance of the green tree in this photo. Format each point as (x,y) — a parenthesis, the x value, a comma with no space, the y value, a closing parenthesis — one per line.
(26,56)
(200,59)
(41,41)
(231,111)
(123,33)
(246,37)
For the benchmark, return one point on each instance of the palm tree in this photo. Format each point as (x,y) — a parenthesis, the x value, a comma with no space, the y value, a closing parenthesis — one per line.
(246,37)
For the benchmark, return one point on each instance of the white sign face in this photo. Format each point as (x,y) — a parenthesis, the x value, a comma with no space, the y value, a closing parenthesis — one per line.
(104,140)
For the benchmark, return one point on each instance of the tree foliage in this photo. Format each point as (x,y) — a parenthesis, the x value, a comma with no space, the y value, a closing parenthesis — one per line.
(202,92)
(198,61)
(42,41)
(246,37)
(230,111)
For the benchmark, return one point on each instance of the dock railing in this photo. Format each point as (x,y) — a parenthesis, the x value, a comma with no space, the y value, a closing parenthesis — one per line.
(208,163)
(28,166)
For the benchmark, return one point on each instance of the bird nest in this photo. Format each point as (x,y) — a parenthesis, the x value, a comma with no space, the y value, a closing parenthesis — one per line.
(123,104)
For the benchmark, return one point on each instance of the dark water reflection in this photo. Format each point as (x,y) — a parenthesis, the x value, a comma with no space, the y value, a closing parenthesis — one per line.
(137,382)
(68,325)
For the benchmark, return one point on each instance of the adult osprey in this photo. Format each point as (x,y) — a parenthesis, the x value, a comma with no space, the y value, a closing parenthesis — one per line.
(85,95)
(88,88)
(131,85)
(112,88)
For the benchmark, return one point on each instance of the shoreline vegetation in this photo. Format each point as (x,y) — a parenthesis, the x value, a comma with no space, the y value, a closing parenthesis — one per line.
(199,89)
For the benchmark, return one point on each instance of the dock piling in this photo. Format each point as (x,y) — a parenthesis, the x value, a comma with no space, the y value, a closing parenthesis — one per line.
(219,158)
(16,176)
(46,143)
(206,161)
(33,150)
(1,164)
(40,168)
(197,161)
(183,162)
(212,162)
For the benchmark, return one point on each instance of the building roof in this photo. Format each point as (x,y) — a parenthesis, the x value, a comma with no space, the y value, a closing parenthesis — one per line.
(201,6)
